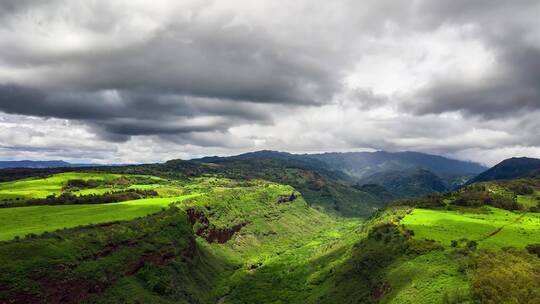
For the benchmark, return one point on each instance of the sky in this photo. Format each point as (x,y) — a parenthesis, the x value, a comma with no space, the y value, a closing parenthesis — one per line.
(134,81)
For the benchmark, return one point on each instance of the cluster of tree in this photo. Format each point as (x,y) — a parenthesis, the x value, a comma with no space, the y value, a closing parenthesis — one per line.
(470,245)
(520,188)
(78,184)
(83,184)
(70,199)
(477,196)
(434,200)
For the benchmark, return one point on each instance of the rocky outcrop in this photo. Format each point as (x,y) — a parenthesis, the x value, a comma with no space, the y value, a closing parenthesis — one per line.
(207,231)
(286,198)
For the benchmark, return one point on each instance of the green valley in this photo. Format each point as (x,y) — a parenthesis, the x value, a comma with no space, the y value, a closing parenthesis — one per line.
(269,152)
(190,232)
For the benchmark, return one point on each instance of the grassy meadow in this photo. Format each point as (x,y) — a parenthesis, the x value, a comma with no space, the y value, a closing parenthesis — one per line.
(494,228)
(34,188)
(20,221)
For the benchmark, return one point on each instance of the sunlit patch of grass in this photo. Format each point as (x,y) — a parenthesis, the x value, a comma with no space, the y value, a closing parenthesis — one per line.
(20,221)
(498,228)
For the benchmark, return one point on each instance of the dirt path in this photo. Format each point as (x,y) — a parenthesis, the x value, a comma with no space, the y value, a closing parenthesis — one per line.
(493,233)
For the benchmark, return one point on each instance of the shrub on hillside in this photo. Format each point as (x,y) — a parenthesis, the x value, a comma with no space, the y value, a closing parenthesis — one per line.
(70,199)
(82,184)
(520,188)
(478,196)
(506,276)
(434,200)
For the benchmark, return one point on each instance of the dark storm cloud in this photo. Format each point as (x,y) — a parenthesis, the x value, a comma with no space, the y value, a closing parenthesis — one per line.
(118,115)
(179,69)
(207,73)
(196,57)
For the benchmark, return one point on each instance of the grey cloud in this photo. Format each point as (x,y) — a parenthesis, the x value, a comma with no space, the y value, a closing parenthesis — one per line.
(190,77)
(116,116)
(183,69)
(195,57)
(511,30)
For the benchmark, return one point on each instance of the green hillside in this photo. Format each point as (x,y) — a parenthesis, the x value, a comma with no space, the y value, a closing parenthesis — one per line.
(459,248)
(43,187)
(216,233)
(239,235)
(322,189)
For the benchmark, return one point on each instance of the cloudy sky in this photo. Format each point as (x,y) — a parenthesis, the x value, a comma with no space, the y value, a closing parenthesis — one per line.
(142,81)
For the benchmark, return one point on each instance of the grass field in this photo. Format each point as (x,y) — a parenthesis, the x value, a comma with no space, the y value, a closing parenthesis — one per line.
(42,187)
(21,221)
(32,188)
(529,201)
(495,229)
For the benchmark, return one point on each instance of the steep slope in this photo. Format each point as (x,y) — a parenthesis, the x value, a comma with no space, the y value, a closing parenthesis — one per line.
(321,188)
(509,169)
(118,262)
(407,183)
(475,245)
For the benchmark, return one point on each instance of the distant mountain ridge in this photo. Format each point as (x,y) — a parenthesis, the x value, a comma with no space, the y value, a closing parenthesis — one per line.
(405,173)
(363,164)
(410,183)
(39,164)
(515,167)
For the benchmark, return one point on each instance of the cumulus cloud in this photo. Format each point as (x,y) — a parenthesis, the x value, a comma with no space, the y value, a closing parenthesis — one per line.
(135,81)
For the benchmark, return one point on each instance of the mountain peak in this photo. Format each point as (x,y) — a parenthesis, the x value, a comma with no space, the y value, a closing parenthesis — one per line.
(515,167)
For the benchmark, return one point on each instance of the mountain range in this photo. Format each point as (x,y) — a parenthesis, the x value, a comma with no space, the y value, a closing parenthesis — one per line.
(272,227)
(39,164)
(406,174)
(381,175)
